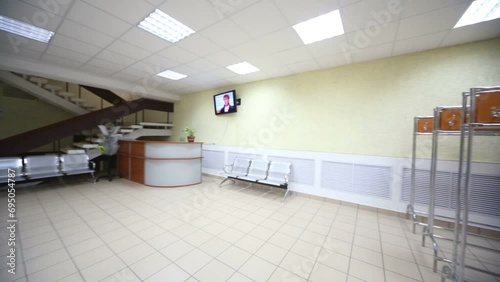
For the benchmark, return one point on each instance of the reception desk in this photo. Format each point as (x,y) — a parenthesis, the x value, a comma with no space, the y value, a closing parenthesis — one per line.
(160,164)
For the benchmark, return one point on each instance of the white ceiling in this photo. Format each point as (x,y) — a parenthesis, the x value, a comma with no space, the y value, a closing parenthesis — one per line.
(98,42)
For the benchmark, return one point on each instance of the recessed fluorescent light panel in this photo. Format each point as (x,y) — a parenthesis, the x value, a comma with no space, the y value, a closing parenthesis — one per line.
(24,29)
(480,11)
(164,26)
(172,75)
(242,68)
(321,27)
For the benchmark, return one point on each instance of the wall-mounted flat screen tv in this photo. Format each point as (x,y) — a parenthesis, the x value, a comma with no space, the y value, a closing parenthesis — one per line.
(225,103)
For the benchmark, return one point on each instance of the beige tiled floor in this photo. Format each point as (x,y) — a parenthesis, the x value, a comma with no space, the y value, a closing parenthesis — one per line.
(122,231)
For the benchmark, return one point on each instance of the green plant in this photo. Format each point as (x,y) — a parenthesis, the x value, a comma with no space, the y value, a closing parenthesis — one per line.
(189,131)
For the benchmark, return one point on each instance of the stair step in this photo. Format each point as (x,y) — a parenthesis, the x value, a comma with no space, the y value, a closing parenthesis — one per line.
(66,95)
(137,126)
(125,130)
(156,124)
(39,80)
(85,145)
(73,151)
(77,101)
(52,88)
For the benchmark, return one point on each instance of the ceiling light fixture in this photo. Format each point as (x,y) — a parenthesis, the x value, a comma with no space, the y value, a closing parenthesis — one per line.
(164,26)
(25,29)
(172,75)
(480,11)
(321,27)
(242,68)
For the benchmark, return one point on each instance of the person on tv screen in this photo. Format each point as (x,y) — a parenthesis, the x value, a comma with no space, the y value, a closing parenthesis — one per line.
(228,108)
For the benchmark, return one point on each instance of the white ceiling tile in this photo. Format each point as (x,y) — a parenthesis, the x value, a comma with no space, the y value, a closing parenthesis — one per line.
(226,34)
(372,53)
(375,35)
(30,14)
(197,18)
(417,44)
(185,69)
(344,3)
(260,19)
(364,14)
(296,11)
(103,64)
(223,58)
(125,77)
(145,40)
(265,61)
(97,70)
(18,43)
(131,11)
(156,3)
(207,77)
(161,62)
(412,8)
(438,20)
(61,62)
(178,54)
(59,7)
(271,43)
(328,46)
(128,50)
(278,71)
(294,55)
(224,73)
(77,31)
(73,44)
(198,45)
(6,48)
(68,54)
(304,66)
(140,74)
(203,65)
(115,58)
(92,17)
(334,60)
(475,32)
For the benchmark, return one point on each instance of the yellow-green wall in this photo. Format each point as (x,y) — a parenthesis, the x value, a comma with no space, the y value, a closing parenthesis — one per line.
(365,108)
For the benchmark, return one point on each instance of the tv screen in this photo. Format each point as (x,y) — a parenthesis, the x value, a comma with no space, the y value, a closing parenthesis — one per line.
(225,103)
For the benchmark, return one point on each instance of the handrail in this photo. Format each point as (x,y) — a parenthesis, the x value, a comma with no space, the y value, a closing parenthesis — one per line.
(30,140)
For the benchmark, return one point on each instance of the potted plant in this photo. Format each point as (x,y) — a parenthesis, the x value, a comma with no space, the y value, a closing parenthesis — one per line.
(190,133)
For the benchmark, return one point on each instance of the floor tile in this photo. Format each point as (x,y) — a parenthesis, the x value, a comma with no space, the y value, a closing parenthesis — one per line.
(193,261)
(234,257)
(322,272)
(125,243)
(402,267)
(54,272)
(367,255)
(214,271)
(394,277)
(281,275)
(85,246)
(297,264)
(238,277)
(257,269)
(282,240)
(334,260)
(46,260)
(149,265)
(214,246)
(171,273)
(161,241)
(136,253)
(103,269)
(305,249)
(124,274)
(198,237)
(249,243)
(271,253)
(365,271)
(92,257)
(42,249)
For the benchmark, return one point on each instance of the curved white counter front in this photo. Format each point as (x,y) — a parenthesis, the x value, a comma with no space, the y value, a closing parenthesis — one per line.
(161,164)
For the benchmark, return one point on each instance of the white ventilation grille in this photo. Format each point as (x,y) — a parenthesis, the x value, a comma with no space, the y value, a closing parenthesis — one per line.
(484,191)
(357,179)
(213,159)
(302,170)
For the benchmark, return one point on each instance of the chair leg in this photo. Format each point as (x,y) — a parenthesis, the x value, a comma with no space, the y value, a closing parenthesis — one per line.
(286,194)
(225,181)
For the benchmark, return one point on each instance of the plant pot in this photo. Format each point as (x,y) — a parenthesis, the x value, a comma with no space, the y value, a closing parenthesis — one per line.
(190,138)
